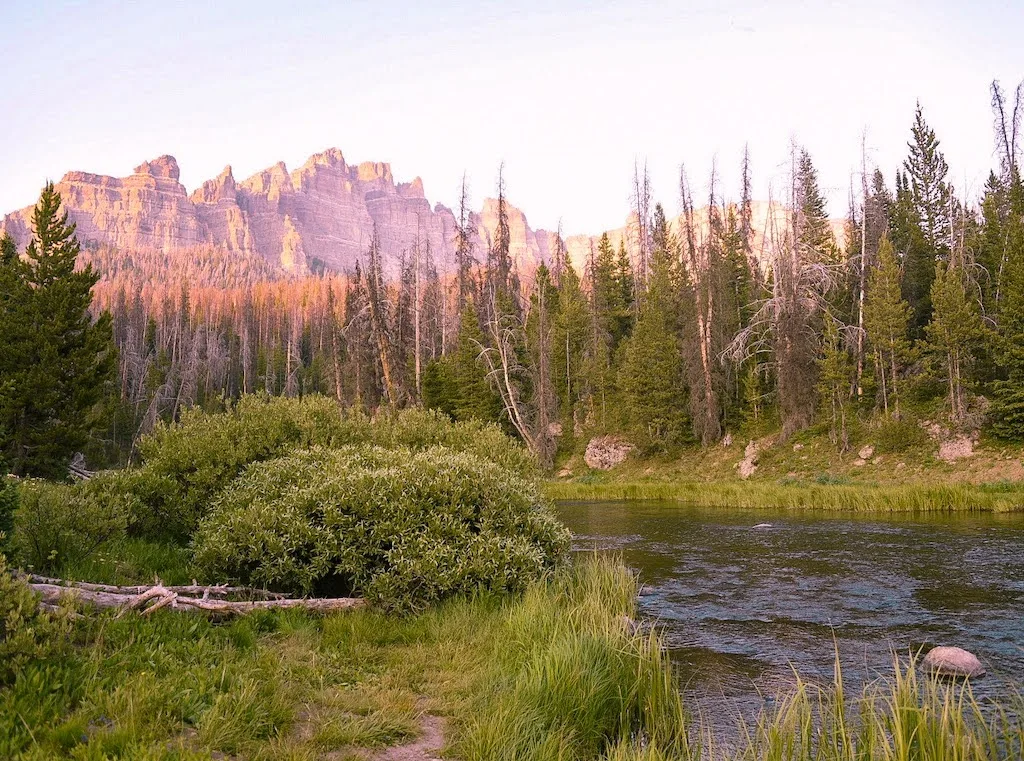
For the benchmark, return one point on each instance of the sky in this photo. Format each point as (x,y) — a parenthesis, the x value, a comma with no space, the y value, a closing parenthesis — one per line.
(569,95)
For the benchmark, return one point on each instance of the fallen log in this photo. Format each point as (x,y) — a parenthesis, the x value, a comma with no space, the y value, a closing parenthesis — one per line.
(210,590)
(158,596)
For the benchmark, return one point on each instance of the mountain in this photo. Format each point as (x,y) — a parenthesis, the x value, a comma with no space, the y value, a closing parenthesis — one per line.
(320,216)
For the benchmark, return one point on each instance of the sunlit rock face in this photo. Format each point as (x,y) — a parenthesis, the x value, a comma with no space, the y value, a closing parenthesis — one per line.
(325,213)
(322,215)
(147,209)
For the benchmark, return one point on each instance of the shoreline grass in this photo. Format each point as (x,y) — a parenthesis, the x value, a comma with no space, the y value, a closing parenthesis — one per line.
(1000,497)
(560,673)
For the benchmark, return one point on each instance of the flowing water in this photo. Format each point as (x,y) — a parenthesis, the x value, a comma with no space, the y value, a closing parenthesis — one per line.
(746,597)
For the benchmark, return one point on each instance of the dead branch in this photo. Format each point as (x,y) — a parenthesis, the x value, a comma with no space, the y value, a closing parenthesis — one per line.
(158,596)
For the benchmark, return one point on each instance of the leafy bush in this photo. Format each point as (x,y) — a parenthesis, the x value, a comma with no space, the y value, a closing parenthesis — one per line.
(185,465)
(401,528)
(899,436)
(56,524)
(8,504)
(26,633)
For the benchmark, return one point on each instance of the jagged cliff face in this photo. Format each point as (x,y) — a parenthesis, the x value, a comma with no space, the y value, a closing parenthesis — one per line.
(321,215)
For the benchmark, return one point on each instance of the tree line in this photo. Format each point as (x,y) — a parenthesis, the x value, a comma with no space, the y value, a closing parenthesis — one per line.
(689,329)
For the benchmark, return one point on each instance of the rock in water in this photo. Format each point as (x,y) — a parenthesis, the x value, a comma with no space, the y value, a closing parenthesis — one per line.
(953,661)
(605,452)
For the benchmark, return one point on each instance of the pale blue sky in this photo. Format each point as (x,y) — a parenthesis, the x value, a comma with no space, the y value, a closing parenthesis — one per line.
(567,93)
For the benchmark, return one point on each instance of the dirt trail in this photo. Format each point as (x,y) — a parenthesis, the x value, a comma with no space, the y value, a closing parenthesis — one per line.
(427,747)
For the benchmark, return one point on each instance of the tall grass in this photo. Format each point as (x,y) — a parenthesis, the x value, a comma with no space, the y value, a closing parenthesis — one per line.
(799,495)
(903,717)
(573,678)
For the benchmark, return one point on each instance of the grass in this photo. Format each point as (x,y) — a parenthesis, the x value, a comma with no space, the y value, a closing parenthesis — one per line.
(807,472)
(561,672)
(796,494)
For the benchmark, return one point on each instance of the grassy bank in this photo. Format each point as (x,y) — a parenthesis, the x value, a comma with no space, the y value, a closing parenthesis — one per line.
(559,673)
(807,472)
(899,498)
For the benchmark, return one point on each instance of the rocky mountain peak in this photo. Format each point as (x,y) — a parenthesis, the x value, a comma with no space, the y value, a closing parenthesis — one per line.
(165,167)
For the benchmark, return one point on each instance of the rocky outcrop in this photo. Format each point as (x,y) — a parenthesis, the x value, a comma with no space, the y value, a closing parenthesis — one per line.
(605,452)
(748,465)
(956,448)
(953,661)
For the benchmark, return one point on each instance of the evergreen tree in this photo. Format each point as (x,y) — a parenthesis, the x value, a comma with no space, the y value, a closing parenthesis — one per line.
(474,397)
(815,232)
(571,349)
(954,333)
(921,222)
(835,378)
(540,394)
(627,281)
(58,363)
(886,320)
(1008,410)
(650,376)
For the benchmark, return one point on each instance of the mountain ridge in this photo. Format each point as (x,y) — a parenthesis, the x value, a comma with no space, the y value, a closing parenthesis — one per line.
(321,215)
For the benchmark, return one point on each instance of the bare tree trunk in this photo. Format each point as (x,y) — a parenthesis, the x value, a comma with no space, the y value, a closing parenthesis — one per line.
(862,285)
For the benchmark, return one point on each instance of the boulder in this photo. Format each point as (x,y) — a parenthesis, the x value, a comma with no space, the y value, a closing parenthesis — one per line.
(956,448)
(866,452)
(953,661)
(605,452)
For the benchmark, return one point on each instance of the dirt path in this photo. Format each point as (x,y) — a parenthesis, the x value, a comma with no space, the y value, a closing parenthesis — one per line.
(427,747)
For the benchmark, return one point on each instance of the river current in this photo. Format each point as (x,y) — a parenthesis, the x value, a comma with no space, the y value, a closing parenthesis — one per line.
(744,598)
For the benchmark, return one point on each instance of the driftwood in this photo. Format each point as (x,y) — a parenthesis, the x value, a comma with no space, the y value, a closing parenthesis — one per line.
(148,599)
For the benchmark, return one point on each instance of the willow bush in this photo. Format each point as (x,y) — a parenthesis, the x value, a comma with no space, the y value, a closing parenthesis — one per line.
(403,528)
(184,465)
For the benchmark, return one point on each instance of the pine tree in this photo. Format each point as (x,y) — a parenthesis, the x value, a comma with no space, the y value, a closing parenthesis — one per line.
(541,398)
(886,320)
(457,384)
(1008,410)
(571,349)
(835,378)
(955,330)
(58,365)
(650,376)
(921,224)
(627,282)
(815,232)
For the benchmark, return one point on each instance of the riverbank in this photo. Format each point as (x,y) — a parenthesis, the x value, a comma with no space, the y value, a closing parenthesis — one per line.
(561,672)
(806,472)
(801,495)
(490,677)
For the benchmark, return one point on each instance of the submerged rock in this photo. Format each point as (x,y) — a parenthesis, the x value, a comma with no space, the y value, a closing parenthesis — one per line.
(953,661)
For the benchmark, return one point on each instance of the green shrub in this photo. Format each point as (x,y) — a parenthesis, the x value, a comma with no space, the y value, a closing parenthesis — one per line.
(8,506)
(26,633)
(57,524)
(401,528)
(899,436)
(186,464)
